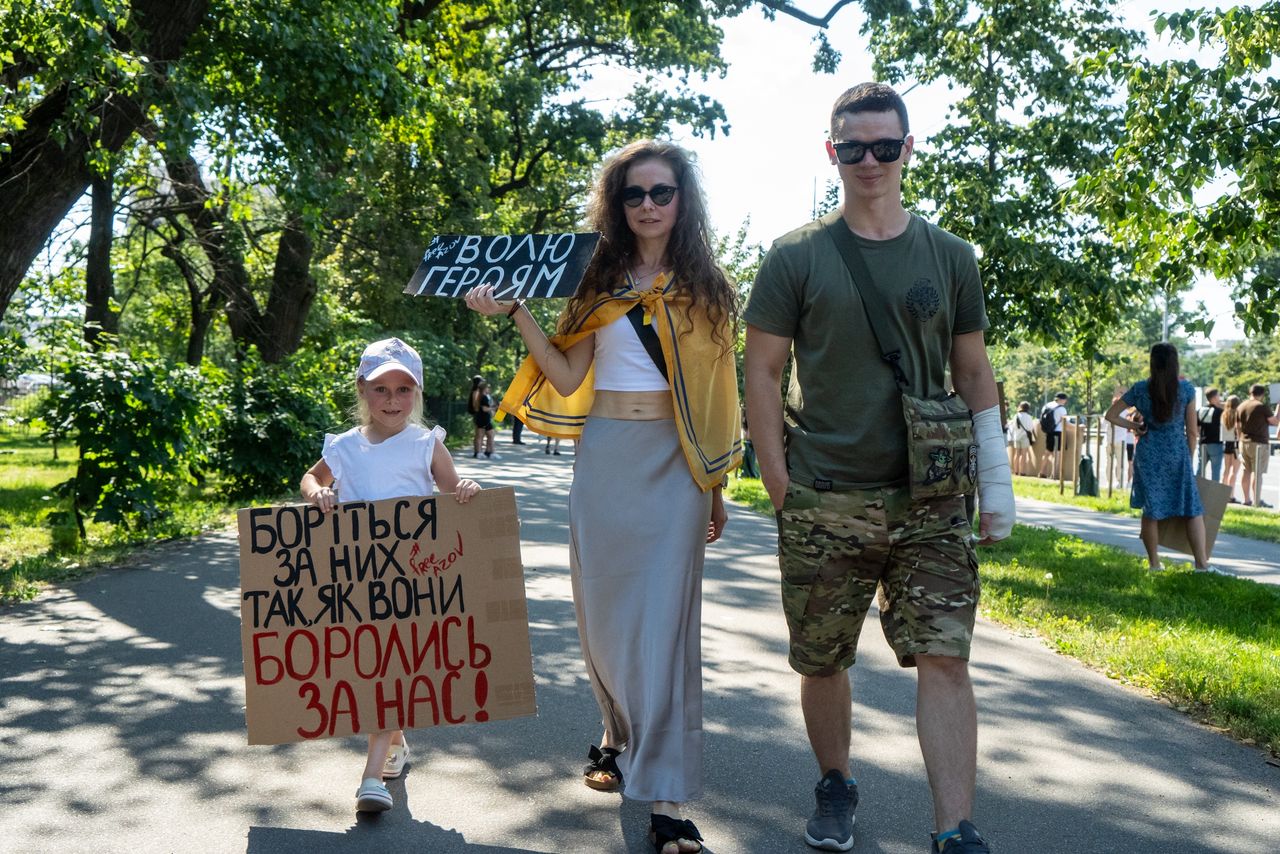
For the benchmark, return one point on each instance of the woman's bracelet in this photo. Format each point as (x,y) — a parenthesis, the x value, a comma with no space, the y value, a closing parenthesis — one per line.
(519,304)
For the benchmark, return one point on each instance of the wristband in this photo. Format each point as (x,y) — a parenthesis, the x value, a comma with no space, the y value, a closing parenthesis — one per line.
(518,305)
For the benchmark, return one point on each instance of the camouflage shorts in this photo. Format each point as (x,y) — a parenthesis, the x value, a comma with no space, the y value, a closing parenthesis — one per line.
(837,547)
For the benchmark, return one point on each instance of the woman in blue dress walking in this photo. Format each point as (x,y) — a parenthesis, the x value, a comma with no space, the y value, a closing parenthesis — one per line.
(1164,483)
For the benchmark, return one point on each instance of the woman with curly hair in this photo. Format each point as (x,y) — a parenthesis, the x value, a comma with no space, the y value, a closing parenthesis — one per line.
(642,373)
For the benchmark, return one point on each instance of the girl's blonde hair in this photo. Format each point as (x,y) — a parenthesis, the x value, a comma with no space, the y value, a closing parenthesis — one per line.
(1230,416)
(360,412)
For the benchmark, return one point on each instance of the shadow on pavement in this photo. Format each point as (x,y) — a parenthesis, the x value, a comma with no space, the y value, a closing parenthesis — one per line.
(122,728)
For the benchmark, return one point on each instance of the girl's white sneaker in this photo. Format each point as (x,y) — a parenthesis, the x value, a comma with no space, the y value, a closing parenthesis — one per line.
(372,796)
(397,758)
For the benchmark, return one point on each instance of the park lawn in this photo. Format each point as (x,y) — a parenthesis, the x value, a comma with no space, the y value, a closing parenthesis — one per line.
(1209,645)
(1250,522)
(28,474)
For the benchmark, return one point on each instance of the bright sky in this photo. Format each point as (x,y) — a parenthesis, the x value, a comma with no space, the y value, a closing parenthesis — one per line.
(773,160)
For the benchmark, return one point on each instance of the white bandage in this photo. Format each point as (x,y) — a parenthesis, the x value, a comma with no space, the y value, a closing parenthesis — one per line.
(995,481)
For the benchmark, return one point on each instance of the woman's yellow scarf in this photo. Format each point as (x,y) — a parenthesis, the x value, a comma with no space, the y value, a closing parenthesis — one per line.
(704,381)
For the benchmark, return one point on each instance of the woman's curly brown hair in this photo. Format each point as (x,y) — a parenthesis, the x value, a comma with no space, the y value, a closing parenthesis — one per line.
(688,250)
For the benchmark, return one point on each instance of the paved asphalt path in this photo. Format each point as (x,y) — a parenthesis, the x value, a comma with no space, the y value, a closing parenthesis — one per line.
(1241,556)
(122,730)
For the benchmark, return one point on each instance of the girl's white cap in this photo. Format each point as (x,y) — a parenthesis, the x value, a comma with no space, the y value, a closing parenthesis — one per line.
(389,354)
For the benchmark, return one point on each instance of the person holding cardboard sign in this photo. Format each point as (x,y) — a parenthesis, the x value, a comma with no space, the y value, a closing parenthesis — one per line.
(389,455)
(642,374)
(1164,481)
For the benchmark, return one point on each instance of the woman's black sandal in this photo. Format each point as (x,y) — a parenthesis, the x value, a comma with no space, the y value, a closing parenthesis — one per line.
(603,762)
(663,830)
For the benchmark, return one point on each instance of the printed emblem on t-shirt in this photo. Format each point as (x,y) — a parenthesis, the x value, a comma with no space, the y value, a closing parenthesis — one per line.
(923,300)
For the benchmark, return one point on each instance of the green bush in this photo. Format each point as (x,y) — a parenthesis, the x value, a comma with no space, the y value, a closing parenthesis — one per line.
(274,422)
(139,424)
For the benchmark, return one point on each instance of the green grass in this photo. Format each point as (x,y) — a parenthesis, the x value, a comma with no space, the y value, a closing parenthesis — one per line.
(750,491)
(1242,521)
(1209,645)
(28,474)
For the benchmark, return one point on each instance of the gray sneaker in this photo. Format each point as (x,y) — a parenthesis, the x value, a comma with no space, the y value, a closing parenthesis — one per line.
(831,827)
(968,842)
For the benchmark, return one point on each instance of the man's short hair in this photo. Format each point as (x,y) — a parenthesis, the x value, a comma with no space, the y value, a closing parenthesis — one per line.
(870,98)
(1062,395)
(1213,392)
(1257,389)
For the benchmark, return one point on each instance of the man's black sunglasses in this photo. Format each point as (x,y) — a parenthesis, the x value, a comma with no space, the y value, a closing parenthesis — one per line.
(662,194)
(883,150)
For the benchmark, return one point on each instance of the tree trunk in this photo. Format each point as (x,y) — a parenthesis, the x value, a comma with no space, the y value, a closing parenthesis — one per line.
(98,287)
(202,302)
(277,332)
(293,290)
(42,175)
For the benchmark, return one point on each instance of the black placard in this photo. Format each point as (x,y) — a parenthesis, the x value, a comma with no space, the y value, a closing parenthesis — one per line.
(519,266)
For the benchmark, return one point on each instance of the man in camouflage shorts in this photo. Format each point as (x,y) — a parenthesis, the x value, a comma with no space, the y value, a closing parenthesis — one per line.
(836,467)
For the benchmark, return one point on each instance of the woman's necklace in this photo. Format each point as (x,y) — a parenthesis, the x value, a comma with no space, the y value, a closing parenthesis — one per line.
(640,278)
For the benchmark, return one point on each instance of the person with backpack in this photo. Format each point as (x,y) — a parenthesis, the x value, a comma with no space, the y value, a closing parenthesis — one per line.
(1209,418)
(1022,432)
(1051,418)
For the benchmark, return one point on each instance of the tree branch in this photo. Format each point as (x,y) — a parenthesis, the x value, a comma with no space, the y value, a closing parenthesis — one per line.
(800,15)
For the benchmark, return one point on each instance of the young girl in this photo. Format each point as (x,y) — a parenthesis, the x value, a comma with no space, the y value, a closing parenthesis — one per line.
(643,375)
(389,455)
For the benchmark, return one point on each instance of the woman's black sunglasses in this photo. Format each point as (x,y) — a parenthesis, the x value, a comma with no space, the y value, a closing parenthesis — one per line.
(883,150)
(662,194)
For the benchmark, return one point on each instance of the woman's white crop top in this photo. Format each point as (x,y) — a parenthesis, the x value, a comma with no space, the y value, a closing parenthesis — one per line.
(622,362)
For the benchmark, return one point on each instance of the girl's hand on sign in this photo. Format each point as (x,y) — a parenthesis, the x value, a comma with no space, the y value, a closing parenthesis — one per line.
(465,489)
(480,298)
(324,498)
(317,487)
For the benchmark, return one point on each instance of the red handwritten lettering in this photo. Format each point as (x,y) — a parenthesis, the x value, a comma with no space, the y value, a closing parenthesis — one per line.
(431,563)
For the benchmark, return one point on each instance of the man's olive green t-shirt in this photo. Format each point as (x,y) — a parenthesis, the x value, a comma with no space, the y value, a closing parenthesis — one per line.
(844,420)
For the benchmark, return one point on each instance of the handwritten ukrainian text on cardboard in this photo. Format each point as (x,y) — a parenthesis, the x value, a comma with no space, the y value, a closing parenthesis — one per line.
(519,266)
(394,614)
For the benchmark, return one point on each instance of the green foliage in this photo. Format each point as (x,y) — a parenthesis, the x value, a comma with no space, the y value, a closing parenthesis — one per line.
(275,420)
(28,475)
(1025,120)
(139,424)
(1232,369)
(1193,184)
(15,357)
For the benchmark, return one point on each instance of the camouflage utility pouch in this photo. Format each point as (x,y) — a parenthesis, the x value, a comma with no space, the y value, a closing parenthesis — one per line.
(942,455)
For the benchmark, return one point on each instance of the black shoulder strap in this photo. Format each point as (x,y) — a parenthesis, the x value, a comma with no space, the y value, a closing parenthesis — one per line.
(649,338)
(853,260)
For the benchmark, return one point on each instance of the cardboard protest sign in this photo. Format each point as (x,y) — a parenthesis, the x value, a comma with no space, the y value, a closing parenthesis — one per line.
(394,614)
(519,266)
(1215,497)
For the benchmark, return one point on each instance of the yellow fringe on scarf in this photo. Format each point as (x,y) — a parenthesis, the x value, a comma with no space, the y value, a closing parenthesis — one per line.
(704,382)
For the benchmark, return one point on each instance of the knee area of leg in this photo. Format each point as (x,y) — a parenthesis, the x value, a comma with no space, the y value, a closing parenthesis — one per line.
(943,667)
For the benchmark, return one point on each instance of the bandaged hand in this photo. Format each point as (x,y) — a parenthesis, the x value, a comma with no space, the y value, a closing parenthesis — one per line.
(995,481)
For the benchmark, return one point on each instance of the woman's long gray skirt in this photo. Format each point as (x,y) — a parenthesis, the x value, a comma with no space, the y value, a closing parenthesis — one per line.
(638,527)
